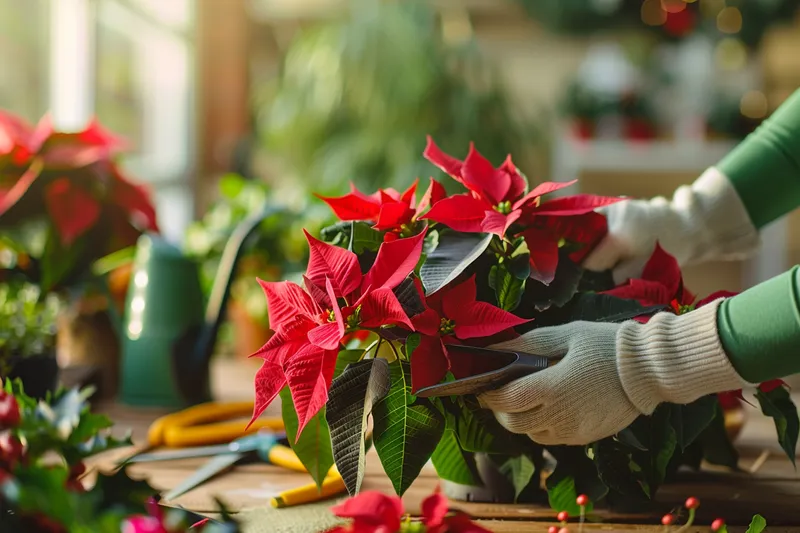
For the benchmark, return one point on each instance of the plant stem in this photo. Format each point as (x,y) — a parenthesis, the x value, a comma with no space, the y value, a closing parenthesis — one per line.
(375,344)
(688,523)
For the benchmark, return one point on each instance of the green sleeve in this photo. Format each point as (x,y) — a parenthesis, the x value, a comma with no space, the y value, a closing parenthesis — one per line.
(765,167)
(760,328)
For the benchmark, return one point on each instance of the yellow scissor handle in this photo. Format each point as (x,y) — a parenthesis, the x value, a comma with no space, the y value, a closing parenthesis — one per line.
(208,423)
(332,485)
(285,457)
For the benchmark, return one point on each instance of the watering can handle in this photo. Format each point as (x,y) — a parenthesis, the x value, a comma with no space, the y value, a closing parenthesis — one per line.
(196,390)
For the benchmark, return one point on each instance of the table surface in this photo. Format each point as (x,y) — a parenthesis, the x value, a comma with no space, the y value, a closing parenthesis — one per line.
(773,490)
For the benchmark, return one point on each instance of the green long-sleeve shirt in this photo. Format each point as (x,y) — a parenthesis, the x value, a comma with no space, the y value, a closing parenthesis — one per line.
(760,328)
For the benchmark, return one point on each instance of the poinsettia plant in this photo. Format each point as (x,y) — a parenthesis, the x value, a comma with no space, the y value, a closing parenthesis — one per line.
(398,281)
(64,201)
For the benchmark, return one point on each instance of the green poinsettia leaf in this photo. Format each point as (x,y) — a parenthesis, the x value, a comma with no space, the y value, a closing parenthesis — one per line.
(406,429)
(778,405)
(345,358)
(573,464)
(350,403)
(690,420)
(594,307)
(40,489)
(717,447)
(122,492)
(364,238)
(560,291)
(520,470)
(409,297)
(757,524)
(314,447)
(629,439)
(479,431)
(59,262)
(660,438)
(337,234)
(618,471)
(452,256)
(519,265)
(454,464)
(508,288)
(597,281)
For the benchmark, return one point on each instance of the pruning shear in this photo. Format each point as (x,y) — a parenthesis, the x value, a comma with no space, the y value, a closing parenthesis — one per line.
(264,446)
(485,369)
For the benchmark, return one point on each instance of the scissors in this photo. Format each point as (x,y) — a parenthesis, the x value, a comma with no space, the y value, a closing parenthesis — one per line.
(263,445)
(485,369)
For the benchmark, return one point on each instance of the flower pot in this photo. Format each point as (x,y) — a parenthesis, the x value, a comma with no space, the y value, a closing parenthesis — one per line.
(39,374)
(496,487)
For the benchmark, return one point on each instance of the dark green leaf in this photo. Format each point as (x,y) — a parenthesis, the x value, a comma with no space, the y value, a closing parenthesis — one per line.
(477,430)
(560,290)
(717,447)
(409,297)
(519,266)
(778,405)
(508,289)
(658,435)
(757,524)
(364,238)
(454,464)
(350,402)
(345,358)
(595,308)
(314,447)
(520,471)
(690,420)
(337,234)
(629,438)
(406,429)
(453,255)
(596,281)
(618,471)
(58,261)
(561,494)
(572,462)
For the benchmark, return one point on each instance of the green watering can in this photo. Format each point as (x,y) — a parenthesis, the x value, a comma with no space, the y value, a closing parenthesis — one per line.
(168,331)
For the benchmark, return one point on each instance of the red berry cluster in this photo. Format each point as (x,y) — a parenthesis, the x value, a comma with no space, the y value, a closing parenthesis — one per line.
(11,449)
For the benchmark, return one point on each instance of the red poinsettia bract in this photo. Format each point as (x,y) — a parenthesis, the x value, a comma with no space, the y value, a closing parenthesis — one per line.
(387,209)
(452,315)
(375,512)
(310,323)
(496,200)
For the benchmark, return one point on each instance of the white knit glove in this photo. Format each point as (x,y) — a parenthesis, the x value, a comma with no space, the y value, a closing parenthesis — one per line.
(609,374)
(705,221)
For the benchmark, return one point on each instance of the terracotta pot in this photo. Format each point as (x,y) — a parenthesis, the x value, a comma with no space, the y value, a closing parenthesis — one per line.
(249,334)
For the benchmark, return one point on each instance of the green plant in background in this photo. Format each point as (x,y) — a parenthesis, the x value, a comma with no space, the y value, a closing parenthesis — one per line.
(276,250)
(356,99)
(27,323)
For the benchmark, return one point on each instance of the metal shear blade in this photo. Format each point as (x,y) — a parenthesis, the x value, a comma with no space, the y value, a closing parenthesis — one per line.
(215,466)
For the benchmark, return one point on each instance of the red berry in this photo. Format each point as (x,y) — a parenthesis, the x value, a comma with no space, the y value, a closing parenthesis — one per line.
(77,470)
(9,410)
(553,529)
(563,516)
(692,503)
(717,524)
(563,530)
(10,449)
(582,500)
(667,519)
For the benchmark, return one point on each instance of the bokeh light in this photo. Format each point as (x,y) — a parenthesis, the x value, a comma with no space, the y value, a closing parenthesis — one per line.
(754,105)
(730,54)
(652,13)
(711,8)
(729,20)
(673,6)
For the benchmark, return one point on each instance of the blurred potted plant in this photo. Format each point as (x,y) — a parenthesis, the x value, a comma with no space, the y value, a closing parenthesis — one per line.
(64,204)
(27,337)
(274,251)
(351,104)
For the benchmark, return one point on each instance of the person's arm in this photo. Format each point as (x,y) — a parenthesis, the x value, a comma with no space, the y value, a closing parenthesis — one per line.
(765,168)
(760,328)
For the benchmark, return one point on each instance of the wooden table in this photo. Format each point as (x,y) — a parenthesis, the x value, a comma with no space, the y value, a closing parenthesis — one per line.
(773,490)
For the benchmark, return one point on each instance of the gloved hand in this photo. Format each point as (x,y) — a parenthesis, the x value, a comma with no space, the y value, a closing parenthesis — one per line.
(609,374)
(704,221)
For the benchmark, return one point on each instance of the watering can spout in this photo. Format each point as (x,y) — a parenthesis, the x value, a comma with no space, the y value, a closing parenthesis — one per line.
(169,336)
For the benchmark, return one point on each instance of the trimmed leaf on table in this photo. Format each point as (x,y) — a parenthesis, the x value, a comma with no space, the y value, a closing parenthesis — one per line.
(508,288)
(777,404)
(406,429)
(314,446)
(757,524)
(452,256)
(350,403)
(454,464)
